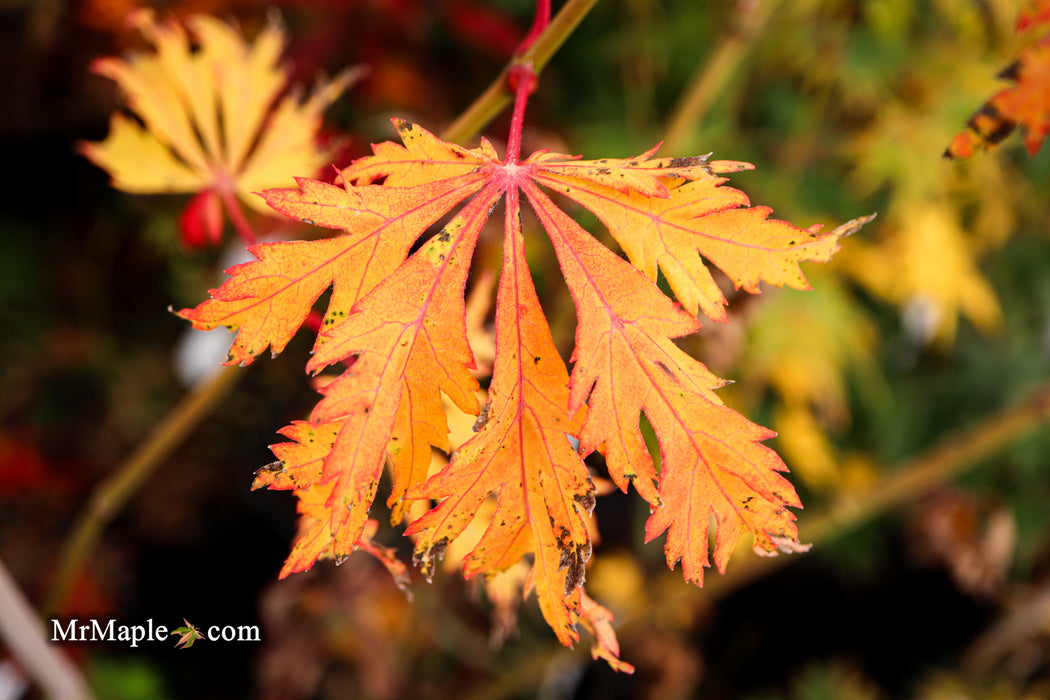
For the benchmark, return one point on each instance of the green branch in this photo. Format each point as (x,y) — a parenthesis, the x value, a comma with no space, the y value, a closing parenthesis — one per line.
(498,95)
(110,496)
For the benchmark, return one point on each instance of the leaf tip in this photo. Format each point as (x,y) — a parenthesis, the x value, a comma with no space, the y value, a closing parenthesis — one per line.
(425,558)
(772,545)
(853,225)
(265,476)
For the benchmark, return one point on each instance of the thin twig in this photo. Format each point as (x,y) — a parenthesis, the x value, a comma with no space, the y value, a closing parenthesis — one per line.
(240,221)
(949,458)
(1025,619)
(540,21)
(498,95)
(23,634)
(112,494)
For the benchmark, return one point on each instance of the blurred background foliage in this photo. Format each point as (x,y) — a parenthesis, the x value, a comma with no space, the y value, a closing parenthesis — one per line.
(932,322)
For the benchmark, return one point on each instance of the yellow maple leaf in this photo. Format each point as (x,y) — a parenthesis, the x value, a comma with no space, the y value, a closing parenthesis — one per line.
(213,120)
(926,267)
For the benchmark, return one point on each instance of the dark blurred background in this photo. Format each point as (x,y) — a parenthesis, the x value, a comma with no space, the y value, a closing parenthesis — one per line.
(930,324)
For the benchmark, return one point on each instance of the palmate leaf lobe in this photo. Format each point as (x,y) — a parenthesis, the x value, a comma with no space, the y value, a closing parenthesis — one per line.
(267,300)
(523,453)
(397,321)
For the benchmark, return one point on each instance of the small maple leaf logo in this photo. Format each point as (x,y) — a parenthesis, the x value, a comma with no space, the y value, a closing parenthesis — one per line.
(188,634)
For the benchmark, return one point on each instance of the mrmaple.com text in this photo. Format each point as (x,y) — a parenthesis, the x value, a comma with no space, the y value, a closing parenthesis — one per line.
(75,630)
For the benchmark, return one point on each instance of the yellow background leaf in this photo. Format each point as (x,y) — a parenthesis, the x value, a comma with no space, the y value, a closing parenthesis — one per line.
(204,106)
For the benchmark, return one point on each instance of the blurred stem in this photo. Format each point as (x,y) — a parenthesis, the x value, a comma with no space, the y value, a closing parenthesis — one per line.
(951,457)
(112,494)
(498,95)
(27,639)
(711,77)
(240,221)
(540,21)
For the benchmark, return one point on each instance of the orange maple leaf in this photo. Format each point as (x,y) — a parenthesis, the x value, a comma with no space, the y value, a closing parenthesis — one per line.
(1026,104)
(1034,13)
(398,320)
